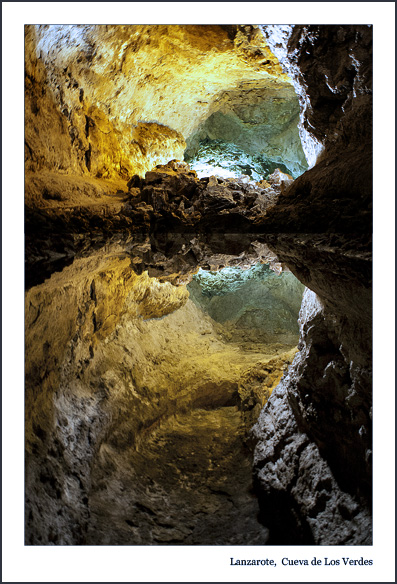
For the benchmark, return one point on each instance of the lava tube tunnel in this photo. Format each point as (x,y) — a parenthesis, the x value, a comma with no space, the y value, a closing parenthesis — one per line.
(198,297)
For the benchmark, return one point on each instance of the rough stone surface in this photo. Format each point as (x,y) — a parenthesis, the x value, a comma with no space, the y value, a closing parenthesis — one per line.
(170,221)
(304,472)
(331,69)
(226,160)
(329,209)
(175,489)
(262,122)
(120,99)
(251,301)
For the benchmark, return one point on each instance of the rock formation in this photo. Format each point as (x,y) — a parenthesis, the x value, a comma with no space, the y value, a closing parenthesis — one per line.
(330,378)
(125,98)
(120,363)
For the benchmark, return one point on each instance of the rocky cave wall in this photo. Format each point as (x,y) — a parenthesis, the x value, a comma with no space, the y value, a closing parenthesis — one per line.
(117,100)
(255,299)
(127,357)
(89,117)
(331,376)
(263,122)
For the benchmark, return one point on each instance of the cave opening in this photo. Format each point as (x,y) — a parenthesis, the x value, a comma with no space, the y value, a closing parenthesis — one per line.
(252,131)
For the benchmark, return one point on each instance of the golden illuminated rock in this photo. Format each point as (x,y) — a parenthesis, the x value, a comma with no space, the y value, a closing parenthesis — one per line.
(116,100)
(96,334)
(67,316)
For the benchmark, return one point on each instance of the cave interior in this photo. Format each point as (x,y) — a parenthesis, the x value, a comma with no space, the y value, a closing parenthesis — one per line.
(198,284)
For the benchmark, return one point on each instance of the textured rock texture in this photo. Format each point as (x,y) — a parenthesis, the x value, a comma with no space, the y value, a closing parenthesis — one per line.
(225,159)
(262,122)
(312,487)
(331,69)
(105,113)
(326,398)
(175,489)
(114,100)
(170,221)
(255,303)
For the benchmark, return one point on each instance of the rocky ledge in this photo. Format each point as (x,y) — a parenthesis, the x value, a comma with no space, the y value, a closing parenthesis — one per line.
(169,222)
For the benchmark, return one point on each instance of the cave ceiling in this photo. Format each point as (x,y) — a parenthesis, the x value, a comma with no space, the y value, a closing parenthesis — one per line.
(131,96)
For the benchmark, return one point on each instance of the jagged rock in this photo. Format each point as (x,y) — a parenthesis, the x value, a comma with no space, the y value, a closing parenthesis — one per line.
(303,487)
(278,178)
(331,69)
(169,199)
(330,207)
(93,97)
(257,384)
(237,297)
(134,182)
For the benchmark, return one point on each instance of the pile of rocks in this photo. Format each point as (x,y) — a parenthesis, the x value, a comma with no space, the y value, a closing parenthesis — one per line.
(169,203)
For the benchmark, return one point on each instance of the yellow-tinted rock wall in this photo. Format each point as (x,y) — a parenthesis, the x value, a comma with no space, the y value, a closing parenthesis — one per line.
(67,316)
(117,100)
(111,357)
(103,367)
